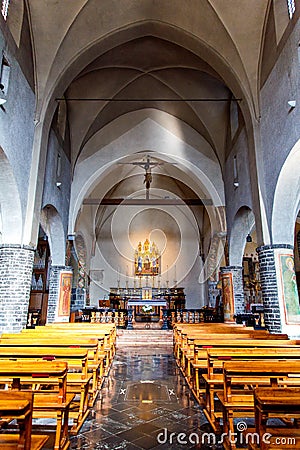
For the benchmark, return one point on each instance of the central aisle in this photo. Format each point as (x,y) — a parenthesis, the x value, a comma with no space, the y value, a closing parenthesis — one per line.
(143,400)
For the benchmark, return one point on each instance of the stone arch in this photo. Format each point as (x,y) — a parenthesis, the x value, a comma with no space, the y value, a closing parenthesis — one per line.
(287,199)
(10,203)
(15,19)
(52,225)
(243,224)
(81,254)
(188,158)
(58,83)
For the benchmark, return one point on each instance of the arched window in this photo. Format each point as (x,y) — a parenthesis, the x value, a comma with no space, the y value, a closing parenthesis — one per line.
(4,8)
(291,7)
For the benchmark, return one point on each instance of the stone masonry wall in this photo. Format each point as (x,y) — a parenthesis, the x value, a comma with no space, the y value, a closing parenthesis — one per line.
(238,288)
(54,291)
(269,287)
(16,264)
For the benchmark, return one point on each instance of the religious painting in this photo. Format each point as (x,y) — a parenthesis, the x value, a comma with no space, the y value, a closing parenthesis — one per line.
(228,299)
(289,291)
(147,259)
(65,287)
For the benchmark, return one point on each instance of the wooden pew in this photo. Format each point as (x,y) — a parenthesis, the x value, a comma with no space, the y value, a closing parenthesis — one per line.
(185,335)
(186,349)
(53,403)
(179,330)
(102,360)
(215,360)
(98,363)
(95,356)
(199,362)
(106,346)
(282,403)
(77,383)
(108,329)
(237,401)
(18,406)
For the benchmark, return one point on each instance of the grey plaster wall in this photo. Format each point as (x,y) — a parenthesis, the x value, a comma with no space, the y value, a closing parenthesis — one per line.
(17,124)
(240,196)
(280,125)
(59,197)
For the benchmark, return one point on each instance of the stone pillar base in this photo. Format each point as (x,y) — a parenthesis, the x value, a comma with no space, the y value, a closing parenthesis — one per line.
(279,289)
(16,265)
(53,314)
(232,292)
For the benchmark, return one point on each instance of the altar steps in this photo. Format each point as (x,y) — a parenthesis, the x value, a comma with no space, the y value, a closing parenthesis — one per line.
(142,337)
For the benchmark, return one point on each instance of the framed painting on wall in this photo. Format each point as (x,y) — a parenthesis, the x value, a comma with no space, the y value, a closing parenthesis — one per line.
(290,297)
(65,287)
(228,300)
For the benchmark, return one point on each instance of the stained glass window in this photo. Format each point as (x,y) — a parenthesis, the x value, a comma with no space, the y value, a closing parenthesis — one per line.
(4,8)
(291,7)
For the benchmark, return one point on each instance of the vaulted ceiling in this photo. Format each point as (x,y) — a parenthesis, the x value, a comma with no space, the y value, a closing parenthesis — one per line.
(132,68)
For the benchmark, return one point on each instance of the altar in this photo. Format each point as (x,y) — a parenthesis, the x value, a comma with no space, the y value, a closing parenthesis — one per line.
(147,299)
(146,310)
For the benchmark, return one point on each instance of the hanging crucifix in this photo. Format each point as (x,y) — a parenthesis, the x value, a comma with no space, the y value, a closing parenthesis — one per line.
(147,166)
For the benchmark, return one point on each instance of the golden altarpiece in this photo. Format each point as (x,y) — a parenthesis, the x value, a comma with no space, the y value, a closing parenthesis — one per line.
(147,298)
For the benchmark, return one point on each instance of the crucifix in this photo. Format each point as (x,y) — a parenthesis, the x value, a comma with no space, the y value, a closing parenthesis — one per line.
(147,166)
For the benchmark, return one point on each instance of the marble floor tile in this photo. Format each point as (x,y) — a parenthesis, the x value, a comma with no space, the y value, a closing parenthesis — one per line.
(144,404)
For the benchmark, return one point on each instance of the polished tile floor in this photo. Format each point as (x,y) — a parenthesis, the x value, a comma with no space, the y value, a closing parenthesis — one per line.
(144,404)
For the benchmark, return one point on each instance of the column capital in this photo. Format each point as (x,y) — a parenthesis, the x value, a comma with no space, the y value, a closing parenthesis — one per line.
(18,246)
(274,246)
(230,268)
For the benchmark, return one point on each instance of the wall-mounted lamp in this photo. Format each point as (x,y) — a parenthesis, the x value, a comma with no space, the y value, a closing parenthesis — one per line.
(2,95)
(235,173)
(58,184)
(292,103)
(248,238)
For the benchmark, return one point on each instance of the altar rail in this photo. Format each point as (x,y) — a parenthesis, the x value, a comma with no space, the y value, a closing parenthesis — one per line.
(101,315)
(120,316)
(194,315)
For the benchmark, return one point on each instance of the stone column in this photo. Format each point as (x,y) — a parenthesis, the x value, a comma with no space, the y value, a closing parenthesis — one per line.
(298,243)
(279,288)
(232,292)
(16,264)
(53,298)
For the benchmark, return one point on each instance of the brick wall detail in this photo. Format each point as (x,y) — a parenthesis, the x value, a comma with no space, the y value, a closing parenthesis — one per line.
(269,285)
(238,288)
(16,264)
(54,291)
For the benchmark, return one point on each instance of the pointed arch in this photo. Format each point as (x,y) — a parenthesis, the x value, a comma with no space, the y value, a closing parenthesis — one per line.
(287,199)
(10,203)
(242,225)
(52,224)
